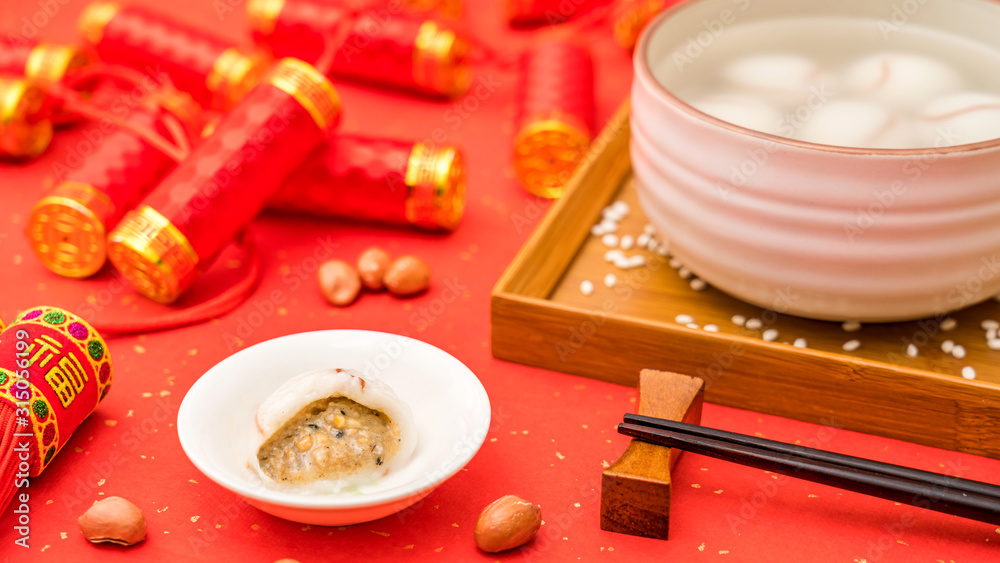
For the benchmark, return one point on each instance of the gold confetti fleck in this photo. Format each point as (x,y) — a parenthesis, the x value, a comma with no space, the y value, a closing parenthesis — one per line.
(901,542)
(217,526)
(139,349)
(408,546)
(579,387)
(723,551)
(701,547)
(192,481)
(438,550)
(78,449)
(111,422)
(233,263)
(46,547)
(605,464)
(703,468)
(565,538)
(306,528)
(611,549)
(129,413)
(195,518)
(813,496)
(602,548)
(282,311)
(18,259)
(493,439)
(101,482)
(147,395)
(50,501)
(166,532)
(383,534)
(193,352)
(997,530)
(584,426)
(560,456)
(576,504)
(255,527)
(164,393)
(719,492)
(524,432)
(695,486)
(63,535)
(758,434)
(161,510)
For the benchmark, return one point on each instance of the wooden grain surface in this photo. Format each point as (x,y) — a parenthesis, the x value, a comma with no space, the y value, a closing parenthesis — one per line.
(540,317)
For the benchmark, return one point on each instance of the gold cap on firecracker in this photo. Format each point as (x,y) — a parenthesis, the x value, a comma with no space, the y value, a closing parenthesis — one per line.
(234,74)
(67,229)
(94,18)
(546,152)
(436,178)
(310,88)
(25,132)
(53,63)
(262,15)
(631,17)
(153,255)
(440,63)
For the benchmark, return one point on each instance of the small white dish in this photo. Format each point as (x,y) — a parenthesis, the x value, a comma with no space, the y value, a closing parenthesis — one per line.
(217,429)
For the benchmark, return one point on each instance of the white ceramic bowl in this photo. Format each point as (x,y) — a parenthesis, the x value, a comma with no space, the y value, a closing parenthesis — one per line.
(217,428)
(818,231)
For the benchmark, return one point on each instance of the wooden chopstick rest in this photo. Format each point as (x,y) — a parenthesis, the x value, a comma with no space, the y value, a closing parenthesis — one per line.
(636,489)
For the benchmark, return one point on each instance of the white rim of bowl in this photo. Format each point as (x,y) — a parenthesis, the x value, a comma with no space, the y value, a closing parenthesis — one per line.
(643,70)
(323,503)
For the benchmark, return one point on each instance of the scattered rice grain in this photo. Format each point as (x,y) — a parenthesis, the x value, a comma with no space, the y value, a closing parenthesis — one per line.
(642,240)
(912,350)
(969,372)
(754,324)
(675,263)
(852,345)
(627,242)
(711,328)
(990,324)
(947,346)
(610,280)
(684,273)
(948,324)
(610,240)
(800,343)
(770,335)
(683,319)
(851,326)
(994,344)
(698,284)
(958,351)
(587,287)
(739,320)
(613,254)
(695,326)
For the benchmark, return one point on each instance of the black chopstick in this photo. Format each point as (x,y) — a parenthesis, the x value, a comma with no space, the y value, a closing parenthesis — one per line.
(936,479)
(984,508)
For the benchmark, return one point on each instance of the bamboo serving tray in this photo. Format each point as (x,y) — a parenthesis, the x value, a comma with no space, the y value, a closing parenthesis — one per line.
(540,317)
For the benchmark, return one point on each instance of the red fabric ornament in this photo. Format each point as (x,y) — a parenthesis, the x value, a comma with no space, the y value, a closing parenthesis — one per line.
(54,371)
(380,180)
(182,225)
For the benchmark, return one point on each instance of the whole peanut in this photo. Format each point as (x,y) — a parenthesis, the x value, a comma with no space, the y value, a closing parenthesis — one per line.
(508,522)
(339,282)
(408,275)
(372,265)
(113,520)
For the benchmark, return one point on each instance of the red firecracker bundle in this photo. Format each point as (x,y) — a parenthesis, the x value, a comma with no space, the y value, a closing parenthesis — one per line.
(556,115)
(420,55)
(68,228)
(181,226)
(54,371)
(215,73)
(380,180)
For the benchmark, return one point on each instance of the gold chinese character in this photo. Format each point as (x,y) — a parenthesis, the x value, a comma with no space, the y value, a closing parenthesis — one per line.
(46,345)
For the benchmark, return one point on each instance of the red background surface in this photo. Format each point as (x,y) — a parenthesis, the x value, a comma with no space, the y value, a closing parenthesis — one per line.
(551,432)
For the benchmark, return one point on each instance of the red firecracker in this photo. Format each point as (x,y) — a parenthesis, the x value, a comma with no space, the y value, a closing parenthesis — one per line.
(54,371)
(420,55)
(215,73)
(68,227)
(380,180)
(182,225)
(25,124)
(539,12)
(556,115)
(41,62)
